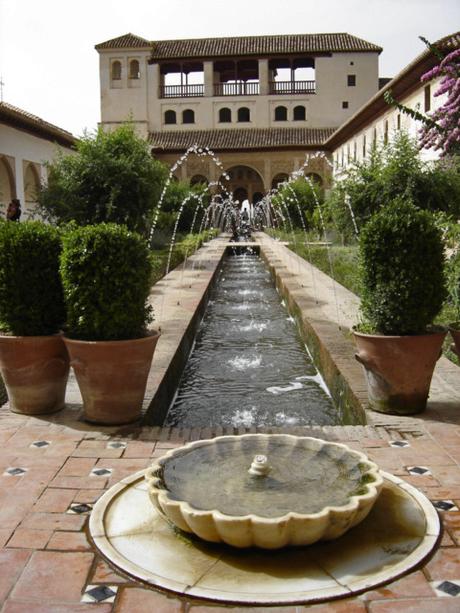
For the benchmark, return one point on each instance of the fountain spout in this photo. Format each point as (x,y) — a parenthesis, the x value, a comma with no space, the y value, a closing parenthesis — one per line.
(260,466)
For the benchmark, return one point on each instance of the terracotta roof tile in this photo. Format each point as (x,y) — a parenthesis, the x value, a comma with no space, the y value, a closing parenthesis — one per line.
(16,117)
(241,138)
(126,41)
(260,45)
(276,44)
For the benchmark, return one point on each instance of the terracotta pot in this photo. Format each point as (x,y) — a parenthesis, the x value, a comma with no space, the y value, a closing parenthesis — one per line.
(455,334)
(112,376)
(35,371)
(399,369)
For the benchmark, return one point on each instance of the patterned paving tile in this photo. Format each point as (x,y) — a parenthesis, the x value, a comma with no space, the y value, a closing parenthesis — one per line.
(100,472)
(14,471)
(447,588)
(445,505)
(40,444)
(100,593)
(79,508)
(418,470)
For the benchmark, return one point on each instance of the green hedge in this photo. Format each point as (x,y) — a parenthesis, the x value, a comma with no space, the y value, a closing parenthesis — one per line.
(402,260)
(31,298)
(106,273)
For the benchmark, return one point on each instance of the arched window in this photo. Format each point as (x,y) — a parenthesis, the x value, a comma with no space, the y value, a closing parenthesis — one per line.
(225,115)
(134,72)
(198,179)
(170,117)
(279,178)
(31,184)
(188,116)
(299,113)
(280,113)
(116,70)
(244,114)
(315,178)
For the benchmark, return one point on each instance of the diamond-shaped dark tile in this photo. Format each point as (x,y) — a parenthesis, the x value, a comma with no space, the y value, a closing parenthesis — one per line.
(418,470)
(444,505)
(16,471)
(100,472)
(116,445)
(100,593)
(40,444)
(80,508)
(399,444)
(449,588)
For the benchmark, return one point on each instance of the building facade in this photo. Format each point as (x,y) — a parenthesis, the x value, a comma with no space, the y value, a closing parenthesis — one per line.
(27,143)
(377,123)
(265,105)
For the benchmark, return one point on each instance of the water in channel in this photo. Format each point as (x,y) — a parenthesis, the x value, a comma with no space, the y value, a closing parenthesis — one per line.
(249,366)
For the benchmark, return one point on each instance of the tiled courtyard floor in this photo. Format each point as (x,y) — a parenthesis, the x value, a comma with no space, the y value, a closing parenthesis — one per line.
(54,468)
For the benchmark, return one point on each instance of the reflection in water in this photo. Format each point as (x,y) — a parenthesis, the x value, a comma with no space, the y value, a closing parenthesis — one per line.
(247,347)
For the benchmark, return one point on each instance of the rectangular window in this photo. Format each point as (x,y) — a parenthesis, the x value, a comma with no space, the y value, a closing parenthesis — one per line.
(364,146)
(344,104)
(427,94)
(351,80)
(398,121)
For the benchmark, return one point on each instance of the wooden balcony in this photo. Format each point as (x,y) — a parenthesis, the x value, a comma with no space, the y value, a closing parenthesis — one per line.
(236,89)
(181,91)
(292,87)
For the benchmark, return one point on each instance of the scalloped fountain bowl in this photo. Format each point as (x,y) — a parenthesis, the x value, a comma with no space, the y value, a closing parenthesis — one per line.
(267,491)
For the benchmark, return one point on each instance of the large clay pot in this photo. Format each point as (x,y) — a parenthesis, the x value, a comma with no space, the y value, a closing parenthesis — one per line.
(112,376)
(398,369)
(35,371)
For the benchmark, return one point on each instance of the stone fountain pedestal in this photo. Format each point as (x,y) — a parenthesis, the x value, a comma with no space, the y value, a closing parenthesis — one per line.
(401,531)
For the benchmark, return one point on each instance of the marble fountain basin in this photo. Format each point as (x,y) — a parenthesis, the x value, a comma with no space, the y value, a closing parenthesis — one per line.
(268,491)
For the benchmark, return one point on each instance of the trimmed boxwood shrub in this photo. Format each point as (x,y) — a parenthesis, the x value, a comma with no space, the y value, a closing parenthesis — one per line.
(106,271)
(31,297)
(402,267)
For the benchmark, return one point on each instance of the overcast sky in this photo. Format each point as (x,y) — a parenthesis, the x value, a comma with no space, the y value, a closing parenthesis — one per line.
(50,68)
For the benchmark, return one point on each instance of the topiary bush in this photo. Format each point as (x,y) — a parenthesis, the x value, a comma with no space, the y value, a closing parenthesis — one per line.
(402,270)
(31,297)
(106,273)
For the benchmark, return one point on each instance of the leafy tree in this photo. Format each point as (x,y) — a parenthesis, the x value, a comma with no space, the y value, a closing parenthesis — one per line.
(112,177)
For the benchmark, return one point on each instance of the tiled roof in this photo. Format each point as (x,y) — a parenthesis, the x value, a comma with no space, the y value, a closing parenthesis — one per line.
(400,86)
(17,118)
(127,41)
(260,45)
(241,138)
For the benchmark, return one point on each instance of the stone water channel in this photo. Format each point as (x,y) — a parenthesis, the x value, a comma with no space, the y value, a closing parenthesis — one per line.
(249,366)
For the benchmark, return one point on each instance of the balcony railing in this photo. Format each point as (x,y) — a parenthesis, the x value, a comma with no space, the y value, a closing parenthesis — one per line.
(181,91)
(292,87)
(236,89)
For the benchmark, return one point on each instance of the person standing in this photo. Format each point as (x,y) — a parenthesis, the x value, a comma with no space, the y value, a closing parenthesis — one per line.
(13,212)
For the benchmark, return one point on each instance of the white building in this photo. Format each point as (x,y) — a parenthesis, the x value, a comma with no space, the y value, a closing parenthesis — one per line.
(26,144)
(376,122)
(260,102)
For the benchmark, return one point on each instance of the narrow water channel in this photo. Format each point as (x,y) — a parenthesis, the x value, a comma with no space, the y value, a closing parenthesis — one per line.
(249,366)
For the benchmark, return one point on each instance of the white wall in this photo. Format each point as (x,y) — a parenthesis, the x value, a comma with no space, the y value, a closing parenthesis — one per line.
(344,154)
(19,149)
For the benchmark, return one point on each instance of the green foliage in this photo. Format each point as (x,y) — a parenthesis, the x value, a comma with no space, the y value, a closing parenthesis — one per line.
(106,274)
(301,199)
(112,177)
(31,298)
(180,194)
(402,262)
(393,171)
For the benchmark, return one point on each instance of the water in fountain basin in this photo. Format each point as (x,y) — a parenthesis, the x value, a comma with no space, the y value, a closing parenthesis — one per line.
(247,349)
(300,480)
